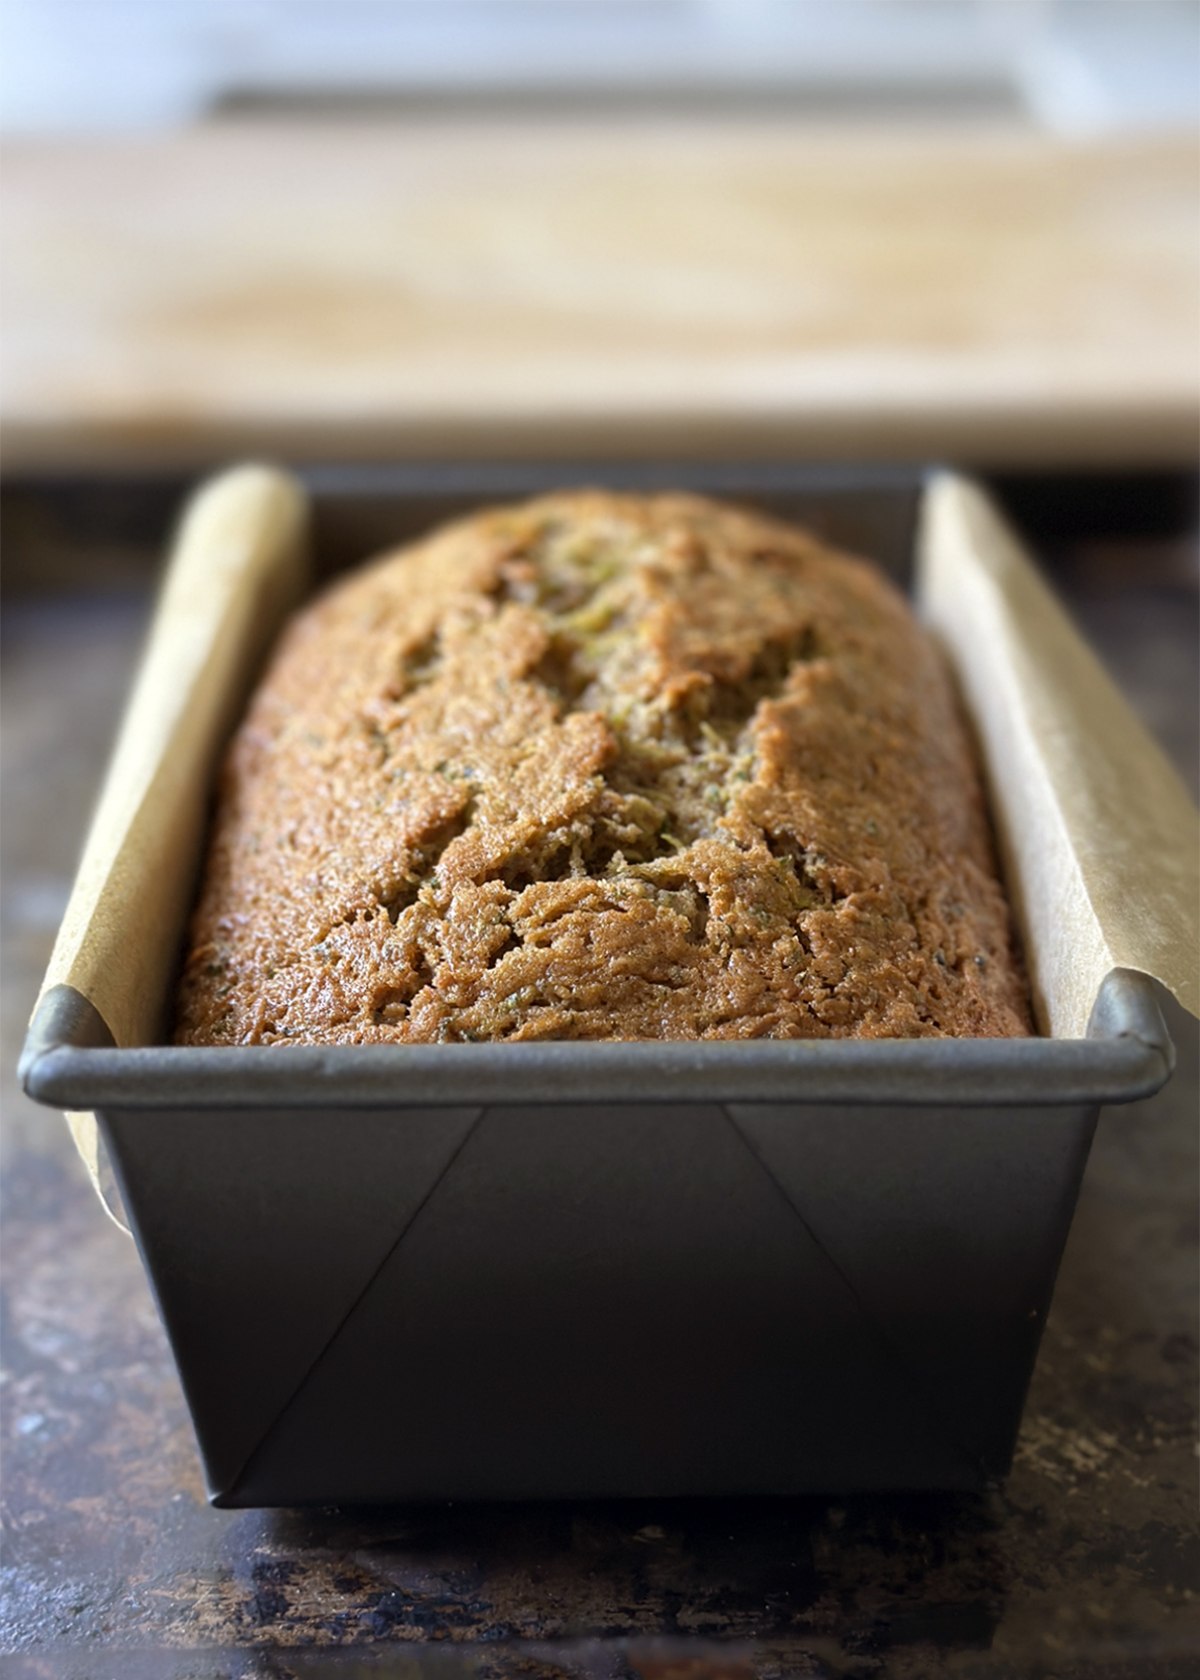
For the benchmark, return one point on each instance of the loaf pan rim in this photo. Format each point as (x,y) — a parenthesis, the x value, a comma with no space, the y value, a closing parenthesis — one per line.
(70,1061)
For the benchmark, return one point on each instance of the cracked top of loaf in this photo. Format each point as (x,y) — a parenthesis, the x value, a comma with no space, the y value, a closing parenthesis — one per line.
(595,767)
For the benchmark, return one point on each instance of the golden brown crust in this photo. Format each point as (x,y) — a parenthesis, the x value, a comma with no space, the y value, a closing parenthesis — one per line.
(602,767)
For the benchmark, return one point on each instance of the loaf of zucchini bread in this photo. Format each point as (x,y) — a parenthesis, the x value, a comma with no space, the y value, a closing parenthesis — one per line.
(602,767)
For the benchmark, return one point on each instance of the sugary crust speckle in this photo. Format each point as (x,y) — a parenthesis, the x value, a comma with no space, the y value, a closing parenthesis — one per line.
(602,767)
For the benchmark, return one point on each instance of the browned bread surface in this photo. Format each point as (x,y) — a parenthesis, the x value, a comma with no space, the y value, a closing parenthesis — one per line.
(602,767)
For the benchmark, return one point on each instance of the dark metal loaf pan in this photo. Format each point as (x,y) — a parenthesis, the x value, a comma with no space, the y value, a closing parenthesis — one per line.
(550,1270)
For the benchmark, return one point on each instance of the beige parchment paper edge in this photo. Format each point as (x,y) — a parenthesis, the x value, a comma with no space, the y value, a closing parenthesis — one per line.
(238,564)
(1100,840)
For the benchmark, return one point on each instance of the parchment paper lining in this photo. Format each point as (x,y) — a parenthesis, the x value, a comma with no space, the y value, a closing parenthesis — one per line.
(1100,841)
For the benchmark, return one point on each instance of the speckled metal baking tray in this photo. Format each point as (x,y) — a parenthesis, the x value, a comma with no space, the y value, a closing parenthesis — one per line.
(554,1270)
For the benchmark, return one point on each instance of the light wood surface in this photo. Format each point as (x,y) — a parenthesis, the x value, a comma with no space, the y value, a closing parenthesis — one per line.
(736,287)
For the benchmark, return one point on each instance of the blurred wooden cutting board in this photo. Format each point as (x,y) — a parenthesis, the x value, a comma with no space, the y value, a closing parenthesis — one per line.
(439,288)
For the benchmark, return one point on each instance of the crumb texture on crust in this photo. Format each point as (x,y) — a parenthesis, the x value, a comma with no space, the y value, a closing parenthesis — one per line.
(602,767)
